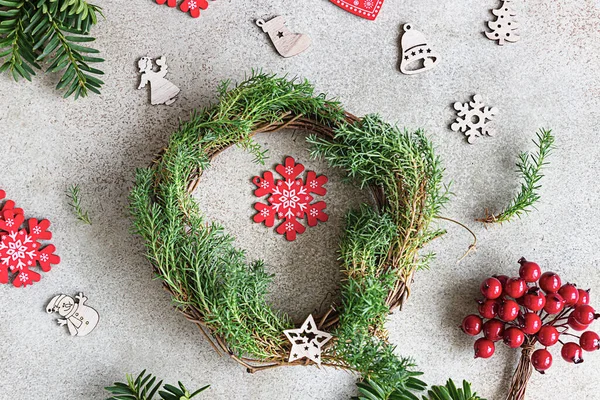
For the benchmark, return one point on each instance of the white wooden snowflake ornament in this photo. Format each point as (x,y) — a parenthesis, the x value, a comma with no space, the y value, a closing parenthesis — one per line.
(79,318)
(307,341)
(474,118)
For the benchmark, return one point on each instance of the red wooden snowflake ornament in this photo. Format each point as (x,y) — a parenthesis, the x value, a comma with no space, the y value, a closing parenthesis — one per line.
(290,199)
(191,6)
(368,9)
(20,248)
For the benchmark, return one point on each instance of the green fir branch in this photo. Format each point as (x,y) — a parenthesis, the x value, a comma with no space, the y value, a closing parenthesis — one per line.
(450,392)
(51,31)
(372,390)
(530,168)
(144,388)
(73,194)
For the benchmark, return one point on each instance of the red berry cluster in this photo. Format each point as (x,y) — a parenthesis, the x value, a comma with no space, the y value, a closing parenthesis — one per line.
(532,308)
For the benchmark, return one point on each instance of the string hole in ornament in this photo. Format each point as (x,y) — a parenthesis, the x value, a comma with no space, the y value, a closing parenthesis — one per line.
(475,119)
(260,22)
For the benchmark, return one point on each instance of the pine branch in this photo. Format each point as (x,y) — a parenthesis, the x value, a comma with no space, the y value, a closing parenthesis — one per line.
(530,168)
(143,388)
(73,194)
(450,392)
(51,30)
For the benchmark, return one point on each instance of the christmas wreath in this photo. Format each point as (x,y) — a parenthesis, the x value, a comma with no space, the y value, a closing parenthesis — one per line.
(216,287)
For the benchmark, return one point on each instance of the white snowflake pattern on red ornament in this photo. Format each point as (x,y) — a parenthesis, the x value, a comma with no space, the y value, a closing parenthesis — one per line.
(20,248)
(290,199)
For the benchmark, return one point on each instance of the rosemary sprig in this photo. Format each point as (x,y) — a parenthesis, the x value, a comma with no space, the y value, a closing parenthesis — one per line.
(530,168)
(73,194)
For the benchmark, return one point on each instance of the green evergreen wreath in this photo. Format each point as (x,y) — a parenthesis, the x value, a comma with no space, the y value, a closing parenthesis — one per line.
(216,287)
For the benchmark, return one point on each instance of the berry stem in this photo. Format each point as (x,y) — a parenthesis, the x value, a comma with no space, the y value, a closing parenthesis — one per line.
(523,372)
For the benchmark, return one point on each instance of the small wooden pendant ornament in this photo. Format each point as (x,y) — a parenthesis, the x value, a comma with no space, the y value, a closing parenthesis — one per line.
(474,118)
(287,43)
(79,318)
(307,341)
(368,9)
(161,90)
(505,26)
(417,54)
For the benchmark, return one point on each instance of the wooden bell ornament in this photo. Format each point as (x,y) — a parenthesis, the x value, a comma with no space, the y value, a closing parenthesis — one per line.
(417,55)
(287,43)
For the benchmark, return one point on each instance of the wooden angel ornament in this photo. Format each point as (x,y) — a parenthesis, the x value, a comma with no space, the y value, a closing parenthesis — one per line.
(79,318)
(162,91)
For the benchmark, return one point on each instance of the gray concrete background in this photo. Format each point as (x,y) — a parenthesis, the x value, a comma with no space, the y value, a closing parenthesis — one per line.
(549,79)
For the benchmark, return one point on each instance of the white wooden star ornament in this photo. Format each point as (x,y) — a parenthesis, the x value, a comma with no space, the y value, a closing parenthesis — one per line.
(307,341)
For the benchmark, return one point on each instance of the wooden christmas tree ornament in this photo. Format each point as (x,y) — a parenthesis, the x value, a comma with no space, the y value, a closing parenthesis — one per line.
(368,9)
(79,318)
(505,26)
(161,90)
(287,43)
(417,54)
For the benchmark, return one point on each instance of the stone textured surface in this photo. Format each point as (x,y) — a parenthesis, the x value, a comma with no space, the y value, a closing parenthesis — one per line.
(551,78)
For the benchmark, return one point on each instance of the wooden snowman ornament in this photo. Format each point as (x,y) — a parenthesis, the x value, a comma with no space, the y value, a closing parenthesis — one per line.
(417,54)
(287,43)
(161,90)
(79,318)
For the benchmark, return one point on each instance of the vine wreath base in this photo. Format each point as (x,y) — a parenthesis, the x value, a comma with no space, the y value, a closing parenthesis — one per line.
(328,320)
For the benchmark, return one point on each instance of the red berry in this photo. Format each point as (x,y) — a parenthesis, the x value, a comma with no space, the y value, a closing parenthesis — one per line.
(584,314)
(491,288)
(570,294)
(513,337)
(508,310)
(534,299)
(515,287)
(493,330)
(576,325)
(571,352)
(484,348)
(529,271)
(502,279)
(488,308)
(554,303)
(550,282)
(541,359)
(531,323)
(548,335)
(584,297)
(589,341)
(471,325)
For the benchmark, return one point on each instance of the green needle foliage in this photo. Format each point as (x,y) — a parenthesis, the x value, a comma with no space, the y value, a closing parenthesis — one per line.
(74,194)
(371,390)
(144,388)
(213,283)
(450,392)
(530,169)
(54,32)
